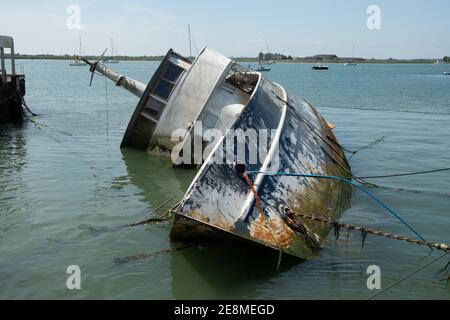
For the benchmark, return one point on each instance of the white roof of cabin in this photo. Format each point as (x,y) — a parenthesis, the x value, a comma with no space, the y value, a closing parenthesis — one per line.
(190,96)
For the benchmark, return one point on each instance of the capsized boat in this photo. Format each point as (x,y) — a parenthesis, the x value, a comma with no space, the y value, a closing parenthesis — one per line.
(216,117)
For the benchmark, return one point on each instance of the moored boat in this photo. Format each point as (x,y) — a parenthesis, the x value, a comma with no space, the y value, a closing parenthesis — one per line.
(224,121)
(262,69)
(77,61)
(320,66)
(111,59)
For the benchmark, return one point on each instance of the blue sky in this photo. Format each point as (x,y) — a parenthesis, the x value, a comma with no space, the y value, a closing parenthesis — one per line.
(409,29)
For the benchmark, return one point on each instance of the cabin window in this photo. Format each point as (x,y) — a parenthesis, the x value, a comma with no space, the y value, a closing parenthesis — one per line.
(210,121)
(153,108)
(168,81)
(173,72)
(163,89)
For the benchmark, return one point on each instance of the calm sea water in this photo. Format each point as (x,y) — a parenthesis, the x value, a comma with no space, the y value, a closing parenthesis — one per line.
(66,189)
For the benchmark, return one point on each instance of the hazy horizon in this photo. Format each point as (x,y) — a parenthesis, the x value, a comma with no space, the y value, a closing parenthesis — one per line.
(412,29)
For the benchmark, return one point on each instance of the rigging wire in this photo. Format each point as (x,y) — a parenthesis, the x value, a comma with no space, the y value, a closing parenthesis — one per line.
(384,109)
(107,108)
(408,276)
(406,174)
(348,181)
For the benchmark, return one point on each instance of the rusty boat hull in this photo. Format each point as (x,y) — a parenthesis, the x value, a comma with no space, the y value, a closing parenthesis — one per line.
(233,102)
(213,206)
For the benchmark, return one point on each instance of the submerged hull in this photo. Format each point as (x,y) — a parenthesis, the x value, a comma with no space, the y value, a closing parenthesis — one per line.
(215,204)
(214,115)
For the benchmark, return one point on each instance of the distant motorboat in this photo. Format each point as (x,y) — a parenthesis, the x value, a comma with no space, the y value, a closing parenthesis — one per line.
(320,66)
(446,73)
(439,62)
(263,69)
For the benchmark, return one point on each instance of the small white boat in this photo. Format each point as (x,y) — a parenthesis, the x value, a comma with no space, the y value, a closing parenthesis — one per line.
(446,73)
(351,63)
(77,62)
(111,59)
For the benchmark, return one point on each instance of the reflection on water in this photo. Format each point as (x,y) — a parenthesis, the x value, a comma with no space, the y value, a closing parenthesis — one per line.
(13,152)
(156,176)
(222,269)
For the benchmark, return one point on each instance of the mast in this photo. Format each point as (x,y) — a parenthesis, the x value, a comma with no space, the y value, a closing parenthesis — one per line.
(80,48)
(112,48)
(190,42)
(135,87)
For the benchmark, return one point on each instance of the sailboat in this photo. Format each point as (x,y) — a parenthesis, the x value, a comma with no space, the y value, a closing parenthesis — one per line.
(77,62)
(111,59)
(266,61)
(351,63)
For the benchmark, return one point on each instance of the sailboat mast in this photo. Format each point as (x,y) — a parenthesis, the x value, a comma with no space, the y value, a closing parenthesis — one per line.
(80,48)
(112,48)
(190,42)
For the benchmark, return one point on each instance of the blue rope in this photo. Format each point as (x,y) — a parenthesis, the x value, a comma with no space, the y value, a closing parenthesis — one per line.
(317,176)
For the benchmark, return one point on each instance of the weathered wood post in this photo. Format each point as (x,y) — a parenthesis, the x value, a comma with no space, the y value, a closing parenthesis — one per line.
(3,66)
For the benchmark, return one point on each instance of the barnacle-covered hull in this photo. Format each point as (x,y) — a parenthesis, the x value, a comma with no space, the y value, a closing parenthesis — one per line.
(215,204)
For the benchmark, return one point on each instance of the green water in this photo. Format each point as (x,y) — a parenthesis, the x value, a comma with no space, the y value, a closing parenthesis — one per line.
(66,190)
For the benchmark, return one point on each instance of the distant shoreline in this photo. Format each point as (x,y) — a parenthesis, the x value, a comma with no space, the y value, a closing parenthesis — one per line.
(238,59)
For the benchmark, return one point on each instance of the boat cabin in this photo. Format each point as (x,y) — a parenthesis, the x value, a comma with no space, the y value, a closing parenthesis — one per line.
(211,89)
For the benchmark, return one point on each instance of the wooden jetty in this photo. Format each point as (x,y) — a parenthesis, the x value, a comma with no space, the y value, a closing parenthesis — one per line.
(12,85)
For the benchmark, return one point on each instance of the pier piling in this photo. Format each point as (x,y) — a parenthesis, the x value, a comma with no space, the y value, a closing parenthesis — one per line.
(12,85)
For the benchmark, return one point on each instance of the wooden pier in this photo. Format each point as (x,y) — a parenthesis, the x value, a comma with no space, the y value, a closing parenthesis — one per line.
(12,85)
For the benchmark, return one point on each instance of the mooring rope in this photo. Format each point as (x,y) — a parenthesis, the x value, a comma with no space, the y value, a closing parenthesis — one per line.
(406,174)
(409,275)
(348,181)
(337,226)
(258,204)
(146,256)
(161,218)
(385,109)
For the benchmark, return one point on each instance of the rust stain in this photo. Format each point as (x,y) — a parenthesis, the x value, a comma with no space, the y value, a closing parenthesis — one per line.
(271,231)
(217,220)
